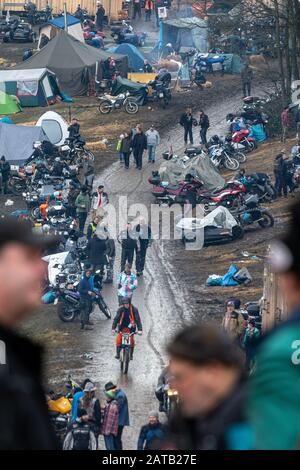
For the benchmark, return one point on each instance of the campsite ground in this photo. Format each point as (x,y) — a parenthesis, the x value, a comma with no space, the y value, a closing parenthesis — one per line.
(173,290)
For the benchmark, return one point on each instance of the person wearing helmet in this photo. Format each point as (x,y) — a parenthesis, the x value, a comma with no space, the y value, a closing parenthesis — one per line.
(127,319)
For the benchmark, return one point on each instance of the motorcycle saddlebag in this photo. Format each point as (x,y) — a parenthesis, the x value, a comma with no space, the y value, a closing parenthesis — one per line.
(251,200)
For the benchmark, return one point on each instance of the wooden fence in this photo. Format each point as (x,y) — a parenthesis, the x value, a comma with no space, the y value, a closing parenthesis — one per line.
(274,308)
(112,7)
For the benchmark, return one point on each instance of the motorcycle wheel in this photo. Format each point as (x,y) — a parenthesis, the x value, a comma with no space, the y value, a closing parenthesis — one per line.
(267,220)
(131,107)
(124,360)
(240,157)
(171,407)
(231,163)
(104,308)
(66,314)
(105,107)
(36,213)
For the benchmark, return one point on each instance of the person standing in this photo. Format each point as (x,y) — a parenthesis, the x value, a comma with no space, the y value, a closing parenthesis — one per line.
(123,420)
(96,250)
(149,6)
(74,130)
(128,240)
(80,435)
(234,323)
(111,256)
(246,76)
(99,200)
(147,67)
(91,404)
(284,123)
(100,13)
(109,428)
(91,230)
(139,144)
(5,172)
(82,205)
(144,234)
(186,121)
(287,176)
(137,9)
(126,149)
(204,126)
(153,140)
(86,299)
(152,434)
(278,173)
(24,418)
(249,342)
(88,169)
(127,284)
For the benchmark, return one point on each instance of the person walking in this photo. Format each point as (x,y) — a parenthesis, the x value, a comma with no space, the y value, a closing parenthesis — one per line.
(249,342)
(109,428)
(149,6)
(247,77)
(186,121)
(5,172)
(284,123)
(139,144)
(100,13)
(144,234)
(128,240)
(204,126)
(127,284)
(82,205)
(111,256)
(121,398)
(99,200)
(24,419)
(126,148)
(92,227)
(153,140)
(86,299)
(152,434)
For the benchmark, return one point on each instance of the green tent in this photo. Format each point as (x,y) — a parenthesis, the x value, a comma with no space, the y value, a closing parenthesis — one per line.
(138,90)
(8,105)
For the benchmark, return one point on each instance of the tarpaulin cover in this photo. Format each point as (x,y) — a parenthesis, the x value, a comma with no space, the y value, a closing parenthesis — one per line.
(138,90)
(16,142)
(219,217)
(73,62)
(177,168)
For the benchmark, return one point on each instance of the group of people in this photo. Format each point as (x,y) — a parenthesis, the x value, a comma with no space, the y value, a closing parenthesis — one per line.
(284,167)
(150,6)
(188,121)
(137,142)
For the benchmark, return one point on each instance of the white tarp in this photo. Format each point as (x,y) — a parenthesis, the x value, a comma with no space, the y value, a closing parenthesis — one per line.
(219,217)
(58,259)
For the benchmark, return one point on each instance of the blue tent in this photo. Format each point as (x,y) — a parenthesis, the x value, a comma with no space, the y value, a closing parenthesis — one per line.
(135,57)
(59,22)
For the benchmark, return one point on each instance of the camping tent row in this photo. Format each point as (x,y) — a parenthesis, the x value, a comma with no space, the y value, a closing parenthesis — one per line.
(74,64)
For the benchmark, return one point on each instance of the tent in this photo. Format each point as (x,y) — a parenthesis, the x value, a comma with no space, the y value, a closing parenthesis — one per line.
(138,90)
(54,126)
(186,33)
(201,166)
(8,105)
(75,64)
(33,86)
(135,57)
(49,30)
(16,142)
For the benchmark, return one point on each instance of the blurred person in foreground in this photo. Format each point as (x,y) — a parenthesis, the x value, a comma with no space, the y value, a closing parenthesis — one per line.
(274,394)
(208,373)
(24,421)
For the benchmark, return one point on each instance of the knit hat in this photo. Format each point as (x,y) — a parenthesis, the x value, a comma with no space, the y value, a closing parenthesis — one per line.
(153,414)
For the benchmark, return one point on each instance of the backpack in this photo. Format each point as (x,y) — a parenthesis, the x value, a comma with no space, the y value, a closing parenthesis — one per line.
(81,436)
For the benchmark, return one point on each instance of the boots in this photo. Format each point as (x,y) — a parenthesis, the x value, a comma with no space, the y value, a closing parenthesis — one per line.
(117,356)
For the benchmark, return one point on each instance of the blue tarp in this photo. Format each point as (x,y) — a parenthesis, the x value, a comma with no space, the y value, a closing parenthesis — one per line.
(258,133)
(59,22)
(226,280)
(135,57)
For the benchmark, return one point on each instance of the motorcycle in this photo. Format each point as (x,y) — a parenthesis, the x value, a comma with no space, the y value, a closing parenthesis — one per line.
(74,150)
(126,34)
(180,193)
(125,351)
(171,400)
(260,184)
(220,157)
(228,147)
(241,138)
(109,103)
(160,89)
(251,213)
(22,33)
(231,196)
(59,407)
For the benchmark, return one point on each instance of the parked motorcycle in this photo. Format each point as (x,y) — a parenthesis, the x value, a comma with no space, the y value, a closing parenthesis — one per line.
(171,400)
(180,193)
(126,34)
(160,88)
(110,103)
(241,139)
(251,213)
(221,158)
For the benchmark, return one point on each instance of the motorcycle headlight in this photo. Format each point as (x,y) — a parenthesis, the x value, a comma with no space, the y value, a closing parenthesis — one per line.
(24,194)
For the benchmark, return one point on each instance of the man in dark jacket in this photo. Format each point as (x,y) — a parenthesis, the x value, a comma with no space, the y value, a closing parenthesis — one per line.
(100,13)
(86,292)
(128,240)
(186,121)
(139,145)
(246,76)
(127,318)
(24,419)
(278,173)
(207,371)
(287,176)
(80,435)
(204,125)
(152,434)
(144,234)
(74,130)
(111,256)
(71,198)
(126,146)
(97,252)
(5,171)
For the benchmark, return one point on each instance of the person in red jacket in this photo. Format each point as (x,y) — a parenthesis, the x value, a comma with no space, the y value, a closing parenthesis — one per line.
(127,319)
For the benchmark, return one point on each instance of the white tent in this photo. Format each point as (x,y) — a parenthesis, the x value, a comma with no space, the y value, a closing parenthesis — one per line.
(50,29)
(54,126)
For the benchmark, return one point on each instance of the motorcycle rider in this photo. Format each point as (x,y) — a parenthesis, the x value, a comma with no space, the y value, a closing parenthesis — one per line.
(127,319)
(80,435)
(127,283)
(128,240)
(86,298)
(186,121)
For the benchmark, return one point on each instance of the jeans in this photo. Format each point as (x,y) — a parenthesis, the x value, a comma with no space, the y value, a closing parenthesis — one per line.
(188,133)
(137,10)
(110,442)
(141,258)
(126,159)
(203,132)
(126,257)
(246,88)
(82,216)
(118,439)
(151,153)
(86,307)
